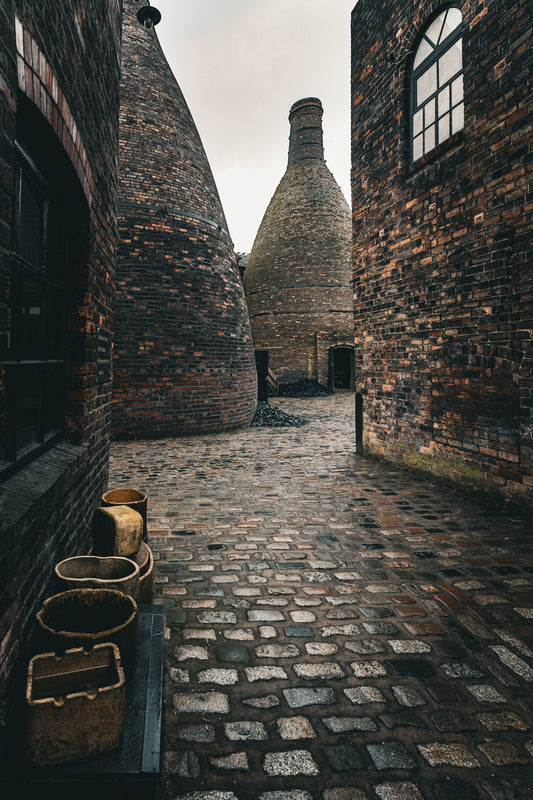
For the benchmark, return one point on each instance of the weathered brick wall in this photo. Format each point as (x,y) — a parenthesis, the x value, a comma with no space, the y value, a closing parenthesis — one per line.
(60,65)
(298,276)
(183,357)
(442,281)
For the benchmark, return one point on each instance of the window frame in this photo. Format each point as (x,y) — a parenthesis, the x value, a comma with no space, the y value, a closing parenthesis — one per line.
(46,367)
(416,72)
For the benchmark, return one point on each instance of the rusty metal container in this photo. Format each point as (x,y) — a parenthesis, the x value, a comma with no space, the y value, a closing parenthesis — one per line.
(99,572)
(87,617)
(133,498)
(75,704)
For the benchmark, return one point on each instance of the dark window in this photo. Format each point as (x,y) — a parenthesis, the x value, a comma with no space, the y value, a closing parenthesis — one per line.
(437,105)
(35,367)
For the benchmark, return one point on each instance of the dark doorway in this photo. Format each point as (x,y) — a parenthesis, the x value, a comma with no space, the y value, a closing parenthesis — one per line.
(341,368)
(261,363)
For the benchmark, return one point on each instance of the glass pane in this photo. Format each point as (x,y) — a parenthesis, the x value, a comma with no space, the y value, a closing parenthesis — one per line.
(450,63)
(444,127)
(444,101)
(433,32)
(429,112)
(417,122)
(56,255)
(453,20)
(27,404)
(426,84)
(418,147)
(30,227)
(29,345)
(56,326)
(424,50)
(53,411)
(458,118)
(4,441)
(430,139)
(457,90)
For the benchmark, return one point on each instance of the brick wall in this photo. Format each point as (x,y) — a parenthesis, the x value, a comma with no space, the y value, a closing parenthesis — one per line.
(183,357)
(59,71)
(298,275)
(442,281)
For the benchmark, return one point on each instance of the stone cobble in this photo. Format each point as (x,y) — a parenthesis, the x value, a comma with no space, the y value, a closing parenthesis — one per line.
(335,629)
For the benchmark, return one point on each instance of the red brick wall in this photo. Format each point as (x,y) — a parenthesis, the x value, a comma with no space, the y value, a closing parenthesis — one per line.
(442,280)
(62,68)
(183,357)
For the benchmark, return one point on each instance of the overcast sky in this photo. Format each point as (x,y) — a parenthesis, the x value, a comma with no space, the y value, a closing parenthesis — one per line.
(241,64)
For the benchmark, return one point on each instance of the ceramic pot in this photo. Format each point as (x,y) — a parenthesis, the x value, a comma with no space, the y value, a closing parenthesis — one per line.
(133,498)
(117,531)
(86,617)
(75,705)
(99,572)
(145,561)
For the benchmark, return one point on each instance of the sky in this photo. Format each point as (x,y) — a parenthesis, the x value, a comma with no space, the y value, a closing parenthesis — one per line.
(241,64)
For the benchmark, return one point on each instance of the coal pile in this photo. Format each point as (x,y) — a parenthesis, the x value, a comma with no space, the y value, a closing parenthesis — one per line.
(268,416)
(304,388)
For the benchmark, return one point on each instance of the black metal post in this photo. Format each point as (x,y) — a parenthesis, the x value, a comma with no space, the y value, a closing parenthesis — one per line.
(359,423)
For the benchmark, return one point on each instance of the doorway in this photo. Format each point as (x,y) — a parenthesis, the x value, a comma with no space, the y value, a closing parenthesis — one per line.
(341,362)
(261,363)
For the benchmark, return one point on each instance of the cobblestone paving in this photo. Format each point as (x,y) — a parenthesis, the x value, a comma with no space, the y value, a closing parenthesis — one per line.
(335,630)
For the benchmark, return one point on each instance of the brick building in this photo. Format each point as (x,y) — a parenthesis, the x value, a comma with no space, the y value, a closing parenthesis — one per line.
(298,276)
(441,135)
(183,356)
(59,93)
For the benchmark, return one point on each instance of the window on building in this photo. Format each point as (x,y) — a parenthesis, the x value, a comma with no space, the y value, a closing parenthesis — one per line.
(48,253)
(35,364)
(437,105)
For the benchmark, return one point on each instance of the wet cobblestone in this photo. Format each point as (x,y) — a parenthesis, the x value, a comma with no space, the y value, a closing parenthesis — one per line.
(335,629)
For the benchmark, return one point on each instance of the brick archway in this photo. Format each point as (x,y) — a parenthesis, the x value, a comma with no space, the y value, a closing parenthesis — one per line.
(38,82)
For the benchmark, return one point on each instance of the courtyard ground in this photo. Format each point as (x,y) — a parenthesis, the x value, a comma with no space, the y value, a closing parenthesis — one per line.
(335,628)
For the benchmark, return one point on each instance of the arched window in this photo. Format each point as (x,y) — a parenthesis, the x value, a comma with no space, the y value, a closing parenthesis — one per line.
(437,107)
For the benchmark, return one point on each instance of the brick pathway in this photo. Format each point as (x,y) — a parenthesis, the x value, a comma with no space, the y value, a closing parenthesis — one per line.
(335,629)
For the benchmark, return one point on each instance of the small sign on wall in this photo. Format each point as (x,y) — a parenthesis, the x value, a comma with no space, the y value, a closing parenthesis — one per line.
(103,355)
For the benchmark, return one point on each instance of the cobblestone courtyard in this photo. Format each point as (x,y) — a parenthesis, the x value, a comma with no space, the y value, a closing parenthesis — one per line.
(335,630)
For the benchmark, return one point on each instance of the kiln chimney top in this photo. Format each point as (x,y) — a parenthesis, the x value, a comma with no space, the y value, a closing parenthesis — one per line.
(305,140)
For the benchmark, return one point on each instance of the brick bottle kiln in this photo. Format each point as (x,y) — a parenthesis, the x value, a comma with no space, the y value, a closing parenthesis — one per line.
(297,280)
(183,357)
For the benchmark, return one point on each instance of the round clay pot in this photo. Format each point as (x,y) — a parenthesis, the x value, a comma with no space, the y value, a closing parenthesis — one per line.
(99,572)
(85,617)
(129,497)
(145,561)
